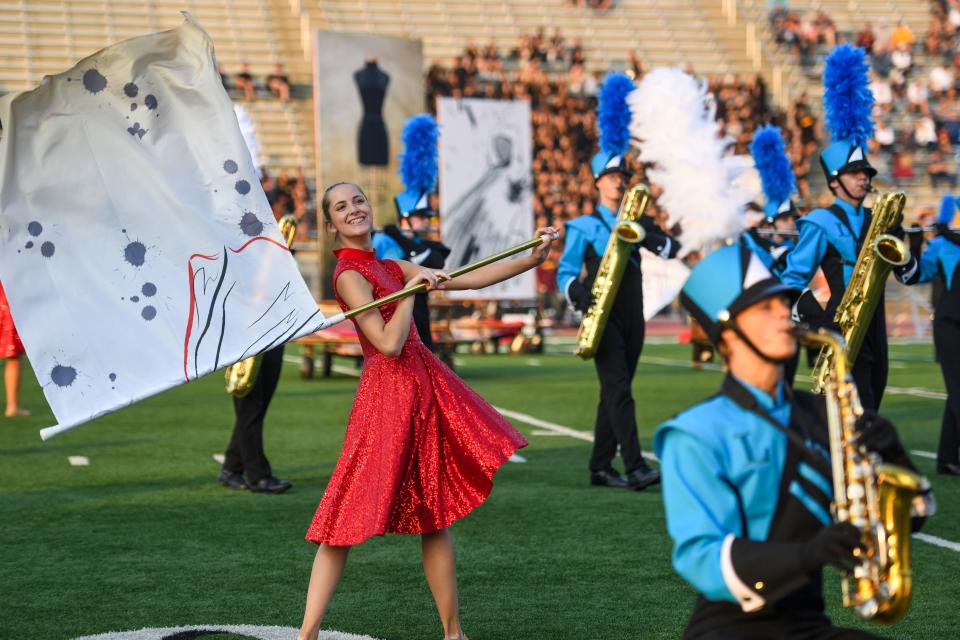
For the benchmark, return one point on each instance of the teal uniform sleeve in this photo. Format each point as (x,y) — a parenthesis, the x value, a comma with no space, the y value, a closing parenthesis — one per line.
(926,267)
(571,262)
(387,248)
(702,511)
(804,259)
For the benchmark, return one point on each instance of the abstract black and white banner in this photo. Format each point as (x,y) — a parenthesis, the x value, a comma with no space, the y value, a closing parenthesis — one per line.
(486,201)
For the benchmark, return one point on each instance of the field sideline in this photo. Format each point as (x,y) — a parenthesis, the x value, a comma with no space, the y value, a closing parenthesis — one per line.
(144,537)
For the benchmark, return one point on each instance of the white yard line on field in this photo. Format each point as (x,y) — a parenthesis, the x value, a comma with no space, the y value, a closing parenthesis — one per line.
(555,428)
(919,392)
(940,542)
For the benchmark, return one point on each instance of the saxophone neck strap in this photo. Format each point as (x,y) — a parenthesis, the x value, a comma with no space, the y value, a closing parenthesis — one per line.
(741,396)
(841,215)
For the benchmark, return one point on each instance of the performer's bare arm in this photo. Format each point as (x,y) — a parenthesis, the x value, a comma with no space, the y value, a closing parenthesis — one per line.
(491,273)
(387,337)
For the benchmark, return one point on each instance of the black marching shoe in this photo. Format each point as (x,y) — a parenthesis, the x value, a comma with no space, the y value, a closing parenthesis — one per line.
(948,469)
(232,480)
(608,478)
(270,485)
(642,477)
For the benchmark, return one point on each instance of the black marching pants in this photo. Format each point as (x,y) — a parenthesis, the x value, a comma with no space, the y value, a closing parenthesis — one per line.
(245,452)
(871,368)
(946,337)
(616,362)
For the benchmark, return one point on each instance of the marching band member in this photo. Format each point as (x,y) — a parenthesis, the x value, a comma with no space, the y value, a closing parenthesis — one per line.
(404,241)
(421,447)
(780,213)
(830,239)
(746,476)
(619,350)
(779,184)
(245,463)
(942,256)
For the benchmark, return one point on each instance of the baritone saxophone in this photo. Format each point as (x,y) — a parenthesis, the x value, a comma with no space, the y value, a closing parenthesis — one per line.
(241,376)
(880,252)
(873,496)
(627,232)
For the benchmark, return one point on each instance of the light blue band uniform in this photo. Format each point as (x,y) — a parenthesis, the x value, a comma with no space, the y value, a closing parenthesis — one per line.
(831,242)
(586,241)
(773,254)
(741,498)
(387,248)
(941,257)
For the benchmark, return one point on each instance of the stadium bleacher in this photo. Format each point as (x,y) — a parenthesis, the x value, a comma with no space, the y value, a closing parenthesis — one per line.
(39,37)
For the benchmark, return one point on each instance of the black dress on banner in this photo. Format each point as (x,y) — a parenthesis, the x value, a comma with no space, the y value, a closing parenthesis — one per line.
(373,146)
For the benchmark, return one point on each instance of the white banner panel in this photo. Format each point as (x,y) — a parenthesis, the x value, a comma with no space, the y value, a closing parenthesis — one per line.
(137,248)
(662,281)
(486,202)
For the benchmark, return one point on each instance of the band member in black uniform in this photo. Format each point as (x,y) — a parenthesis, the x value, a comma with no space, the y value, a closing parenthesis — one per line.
(831,238)
(405,240)
(244,455)
(747,479)
(942,257)
(619,350)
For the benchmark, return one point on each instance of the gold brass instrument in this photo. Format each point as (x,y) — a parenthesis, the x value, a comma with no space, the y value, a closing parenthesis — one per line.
(872,496)
(626,233)
(878,255)
(241,376)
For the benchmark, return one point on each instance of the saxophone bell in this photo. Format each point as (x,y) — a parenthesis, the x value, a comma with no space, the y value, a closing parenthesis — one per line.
(891,250)
(630,231)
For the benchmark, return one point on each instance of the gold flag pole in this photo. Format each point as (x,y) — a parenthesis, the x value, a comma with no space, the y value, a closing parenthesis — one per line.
(422,287)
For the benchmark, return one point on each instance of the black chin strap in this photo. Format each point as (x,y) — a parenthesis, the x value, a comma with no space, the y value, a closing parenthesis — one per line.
(859,201)
(733,326)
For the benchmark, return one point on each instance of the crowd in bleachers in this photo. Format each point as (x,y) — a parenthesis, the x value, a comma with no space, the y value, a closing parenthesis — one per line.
(917,111)
(243,84)
(803,33)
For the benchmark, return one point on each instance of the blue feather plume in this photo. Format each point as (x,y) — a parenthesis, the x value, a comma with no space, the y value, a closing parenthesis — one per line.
(772,162)
(418,162)
(848,100)
(613,113)
(948,209)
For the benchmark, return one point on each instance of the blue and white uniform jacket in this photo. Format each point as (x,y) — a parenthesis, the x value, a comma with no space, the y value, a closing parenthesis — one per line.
(772,254)
(741,497)
(586,241)
(830,239)
(393,244)
(942,256)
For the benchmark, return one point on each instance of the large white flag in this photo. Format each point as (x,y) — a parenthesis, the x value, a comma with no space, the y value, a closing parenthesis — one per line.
(137,248)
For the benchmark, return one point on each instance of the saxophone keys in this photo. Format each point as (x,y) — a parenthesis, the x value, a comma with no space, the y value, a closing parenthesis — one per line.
(868,608)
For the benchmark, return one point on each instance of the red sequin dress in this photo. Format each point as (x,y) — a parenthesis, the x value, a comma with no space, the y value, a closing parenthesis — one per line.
(421,447)
(10,345)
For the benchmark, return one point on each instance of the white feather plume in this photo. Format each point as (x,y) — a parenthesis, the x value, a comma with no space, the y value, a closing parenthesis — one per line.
(674,125)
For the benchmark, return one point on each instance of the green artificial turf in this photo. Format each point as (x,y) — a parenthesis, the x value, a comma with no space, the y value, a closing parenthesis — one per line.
(144,537)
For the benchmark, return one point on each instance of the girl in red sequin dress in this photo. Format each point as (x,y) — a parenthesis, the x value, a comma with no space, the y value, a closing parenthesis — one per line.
(10,349)
(421,447)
